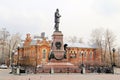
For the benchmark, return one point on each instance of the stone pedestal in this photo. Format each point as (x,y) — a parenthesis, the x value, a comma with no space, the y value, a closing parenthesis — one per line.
(58,46)
(58,63)
(60,67)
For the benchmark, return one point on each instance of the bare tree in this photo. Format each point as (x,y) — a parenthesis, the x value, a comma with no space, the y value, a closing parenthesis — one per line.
(4,34)
(105,50)
(7,44)
(97,39)
(104,39)
(110,39)
(14,40)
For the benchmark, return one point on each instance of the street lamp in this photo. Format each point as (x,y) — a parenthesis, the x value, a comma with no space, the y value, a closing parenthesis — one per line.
(82,65)
(113,62)
(113,56)
(82,59)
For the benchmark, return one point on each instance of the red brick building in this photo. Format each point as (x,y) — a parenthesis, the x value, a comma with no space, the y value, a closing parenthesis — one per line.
(79,53)
(34,52)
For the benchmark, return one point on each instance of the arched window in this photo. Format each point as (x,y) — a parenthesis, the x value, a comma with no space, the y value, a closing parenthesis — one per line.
(90,54)
(44,54)
(84,54)
(94,54)
(80,54)
(74,52)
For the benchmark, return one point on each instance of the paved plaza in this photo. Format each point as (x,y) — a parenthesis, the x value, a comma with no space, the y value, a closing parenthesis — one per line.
(4,75)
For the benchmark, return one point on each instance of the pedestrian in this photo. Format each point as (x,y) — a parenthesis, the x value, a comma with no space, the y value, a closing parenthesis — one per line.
(82,71)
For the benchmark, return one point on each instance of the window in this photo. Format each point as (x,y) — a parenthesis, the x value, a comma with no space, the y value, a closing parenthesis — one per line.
(80,54)
(44,54)
(90,54)
(33,53)
(84,54)
(73,55)
(94,54)
(74,51)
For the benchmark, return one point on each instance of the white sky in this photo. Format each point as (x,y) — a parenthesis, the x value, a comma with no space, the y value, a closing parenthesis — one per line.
(79,17)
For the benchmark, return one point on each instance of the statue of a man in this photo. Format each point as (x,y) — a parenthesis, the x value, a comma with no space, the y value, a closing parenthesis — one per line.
(57,20)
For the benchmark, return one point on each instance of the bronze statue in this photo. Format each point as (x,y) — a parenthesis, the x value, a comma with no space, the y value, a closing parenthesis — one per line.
(57,20)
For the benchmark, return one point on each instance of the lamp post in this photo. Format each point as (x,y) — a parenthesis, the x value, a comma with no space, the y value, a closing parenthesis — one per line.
(113,56)
(82,65)
(82,59)
(113,62)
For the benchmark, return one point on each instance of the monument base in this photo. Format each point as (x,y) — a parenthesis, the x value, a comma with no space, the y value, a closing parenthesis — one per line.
(59,67)
(54,60)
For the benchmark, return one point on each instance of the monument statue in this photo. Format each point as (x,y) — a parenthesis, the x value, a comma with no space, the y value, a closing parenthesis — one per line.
(57,20)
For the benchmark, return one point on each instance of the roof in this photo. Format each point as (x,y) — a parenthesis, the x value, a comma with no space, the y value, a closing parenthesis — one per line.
(80,45)
(33,42)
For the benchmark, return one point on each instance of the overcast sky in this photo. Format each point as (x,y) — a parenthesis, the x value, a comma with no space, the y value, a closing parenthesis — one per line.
(79,17)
